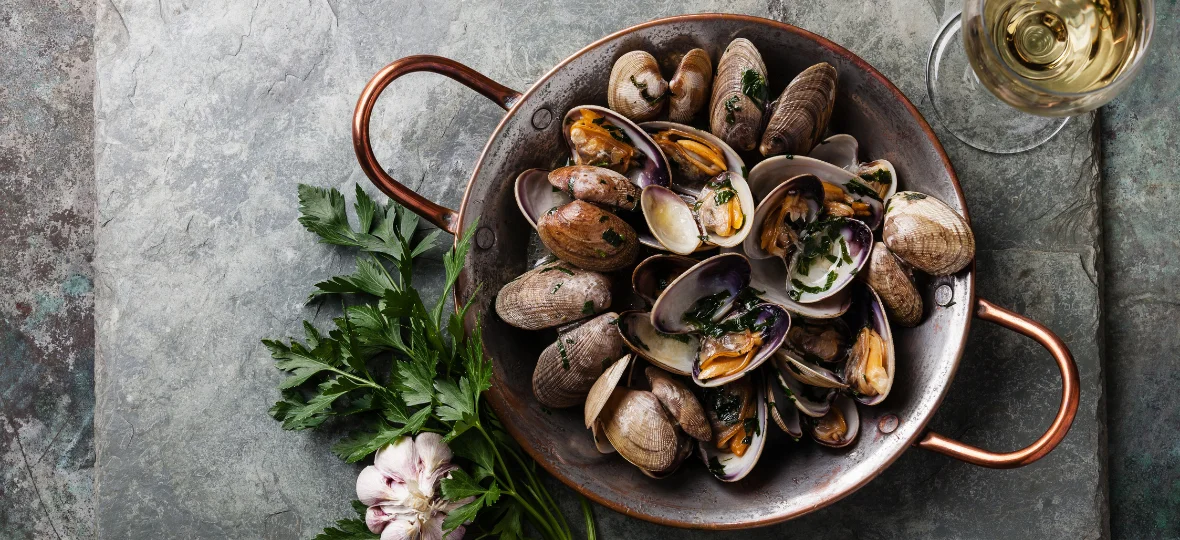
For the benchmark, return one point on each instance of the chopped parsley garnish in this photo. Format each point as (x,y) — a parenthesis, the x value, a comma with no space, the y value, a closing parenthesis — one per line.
(731,107)
(752,429)
(559,268)
(723,196)
(683,338)
(855,187)
(844,251)
(613,238)
(643,92)
(913,196)
(726,405)
(588,308)
(754,87)
(565,360)
(879,176)
(715,467)
(557,287)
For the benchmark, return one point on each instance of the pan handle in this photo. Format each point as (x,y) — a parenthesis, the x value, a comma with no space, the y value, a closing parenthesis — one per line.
(441,216)
(1065,413)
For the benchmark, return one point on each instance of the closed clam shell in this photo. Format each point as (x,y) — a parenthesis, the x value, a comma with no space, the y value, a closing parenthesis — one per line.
(800,115)
(587,236)
(597,185)
(681,403)
(894,285)
(690,86)
(734,117)
(568,368)
(927,234)
(641,431)
(636,89)
(552,295)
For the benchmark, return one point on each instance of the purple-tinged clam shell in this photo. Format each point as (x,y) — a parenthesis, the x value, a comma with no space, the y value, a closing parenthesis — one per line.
(840,150)
(675,353)
(808,373)
(869,312)
(814,276)
(767,175)
(773,321)
(535,195)
(652,275)
(843,409)
(810,400)
(782,408)
(729,467)
(712,285)
(769,277)
(651,170)
(806,189)
(690,183)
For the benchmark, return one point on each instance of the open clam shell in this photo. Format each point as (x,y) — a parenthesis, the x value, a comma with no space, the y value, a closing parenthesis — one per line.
(839,427)
(880,175)
(600,393)
(688,175)
(807,372)
(840,150)
(808,193)
(729,467)
(782,408)
(871,351)
(650,170)
(640,430)
(652,275)
(672,352)
(819,341)
(769,277)
(767,175)
(535,195)
(810,400)
(772,323)
(715,210)
(704,292)
(681,403)
(670,220)
(834,253)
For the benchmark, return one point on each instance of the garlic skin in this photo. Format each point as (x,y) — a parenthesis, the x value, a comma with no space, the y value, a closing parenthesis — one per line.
(401,489)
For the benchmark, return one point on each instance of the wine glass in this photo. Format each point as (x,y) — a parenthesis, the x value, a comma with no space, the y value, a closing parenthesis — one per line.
(1023,67)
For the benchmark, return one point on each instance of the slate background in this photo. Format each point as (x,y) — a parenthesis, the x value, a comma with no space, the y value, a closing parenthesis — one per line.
(1047,237)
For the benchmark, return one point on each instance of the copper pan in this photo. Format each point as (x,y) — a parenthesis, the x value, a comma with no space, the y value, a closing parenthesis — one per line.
(791,479)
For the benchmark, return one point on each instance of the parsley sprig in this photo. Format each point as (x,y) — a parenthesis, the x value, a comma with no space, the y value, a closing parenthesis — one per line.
(390,367)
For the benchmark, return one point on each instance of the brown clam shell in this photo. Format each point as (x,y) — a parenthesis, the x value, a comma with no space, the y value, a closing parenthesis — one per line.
(894,285)
(681,403)
(690,86)
(800,115)
(743,131)
(567,369)
(639,428)
(552,295)
(927,234)
(596,185)
(636,89)
(589,237)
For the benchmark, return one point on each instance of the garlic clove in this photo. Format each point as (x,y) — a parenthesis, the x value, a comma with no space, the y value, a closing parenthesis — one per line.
(375,487)
(406,527)
(398,459)
(434,461)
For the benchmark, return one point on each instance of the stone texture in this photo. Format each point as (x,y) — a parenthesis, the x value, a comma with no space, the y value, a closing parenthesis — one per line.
(208,114)
(1143,292)
(46,246)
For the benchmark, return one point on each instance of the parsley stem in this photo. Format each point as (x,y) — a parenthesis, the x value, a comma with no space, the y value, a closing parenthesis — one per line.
(591,534)
(539,521)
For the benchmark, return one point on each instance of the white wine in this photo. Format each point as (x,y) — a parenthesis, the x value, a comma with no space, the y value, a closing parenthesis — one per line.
(1070,46)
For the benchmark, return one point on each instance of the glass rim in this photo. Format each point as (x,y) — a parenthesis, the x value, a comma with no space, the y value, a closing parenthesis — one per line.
(1147,16)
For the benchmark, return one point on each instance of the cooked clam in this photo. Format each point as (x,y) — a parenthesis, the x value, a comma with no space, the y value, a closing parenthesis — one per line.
(696,156)
(825,341)
(640,429)
(672,352)
(602,390)
(926,233)
(655,273)
(839,427)
(724,209)
(737,413)
(771,172)
(597,185)
(880,176)
(636,89)
(567,369)
(871,360)
(535,195)
(808,372)
(739,96)
(739,344)
(588,236)
(800,115)
(551,295)
(812,401)
(769,275)
(831,254)
(601,137)
(690,85)
(894,284)
(782,217)
(782,408)
(681,403)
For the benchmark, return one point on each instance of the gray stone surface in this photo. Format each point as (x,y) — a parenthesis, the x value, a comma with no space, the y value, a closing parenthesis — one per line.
(46,245)
(1139,133)
(208,114)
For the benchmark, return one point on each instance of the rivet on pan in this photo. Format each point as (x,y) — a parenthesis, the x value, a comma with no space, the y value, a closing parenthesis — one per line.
(485,238)
(542,118)
(888,424)
(944,295)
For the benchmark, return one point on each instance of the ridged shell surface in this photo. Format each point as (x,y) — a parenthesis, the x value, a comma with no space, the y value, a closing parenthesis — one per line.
(639,428)
(568,368)
(552,295)
(636,89)
(681,403)
(589,237)
(893,284)
(690,86)
(800,115)
(926,233)
(597,185)
(733,116)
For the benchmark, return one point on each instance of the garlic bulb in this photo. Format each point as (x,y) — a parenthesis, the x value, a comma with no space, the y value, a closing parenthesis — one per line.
(401,489)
